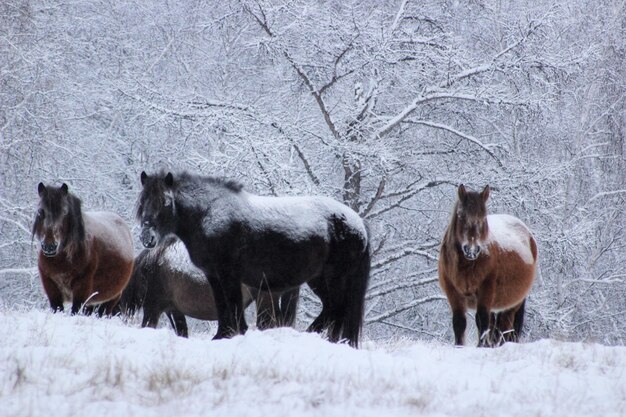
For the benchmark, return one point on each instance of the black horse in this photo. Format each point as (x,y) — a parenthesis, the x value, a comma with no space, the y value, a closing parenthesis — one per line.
(269,243)
(165,281)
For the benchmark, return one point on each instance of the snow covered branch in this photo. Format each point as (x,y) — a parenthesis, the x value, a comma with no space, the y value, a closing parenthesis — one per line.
(403,308)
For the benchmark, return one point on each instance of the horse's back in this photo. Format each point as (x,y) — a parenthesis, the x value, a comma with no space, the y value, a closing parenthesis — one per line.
(111,230)
(301,217)
(510,234)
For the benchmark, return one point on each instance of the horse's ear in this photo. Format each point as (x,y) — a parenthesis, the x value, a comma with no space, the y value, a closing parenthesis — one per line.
(462,192)
(485,193)
(64,188)
(41,189)
(144,177)
(169,179)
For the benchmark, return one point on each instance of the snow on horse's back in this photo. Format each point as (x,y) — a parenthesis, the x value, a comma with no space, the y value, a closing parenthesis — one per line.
(511,234)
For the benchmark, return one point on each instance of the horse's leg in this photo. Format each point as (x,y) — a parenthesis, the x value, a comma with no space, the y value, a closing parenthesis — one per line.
(116,310)
(331,318)
(289,307)
(458,307)
(151,316)
(322,321)
(484,301)
(102,308)
(510,323)
(109,307)
(82,290)
(518,322)
(483,325)
(504,327)
(229,304)
(494,329)
(459,324)
(178,322)
(55,297)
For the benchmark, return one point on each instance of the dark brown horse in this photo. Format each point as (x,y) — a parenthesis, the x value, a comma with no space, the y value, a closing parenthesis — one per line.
(164,280)
(486,263)
(85,258)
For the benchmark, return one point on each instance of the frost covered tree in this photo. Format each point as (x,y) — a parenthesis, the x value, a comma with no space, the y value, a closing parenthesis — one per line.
(386,106)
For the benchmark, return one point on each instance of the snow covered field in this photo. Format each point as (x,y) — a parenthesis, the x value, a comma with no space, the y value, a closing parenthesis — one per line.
(69,366)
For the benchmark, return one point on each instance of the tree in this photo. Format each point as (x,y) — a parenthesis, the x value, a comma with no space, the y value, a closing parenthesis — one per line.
(385,106)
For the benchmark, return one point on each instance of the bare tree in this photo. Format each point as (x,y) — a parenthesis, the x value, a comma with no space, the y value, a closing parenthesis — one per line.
(384,105)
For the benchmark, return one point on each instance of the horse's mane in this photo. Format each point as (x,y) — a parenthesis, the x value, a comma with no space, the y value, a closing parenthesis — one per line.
(198,191)
(76,226)
(449,239)
(185,178)
(186,184)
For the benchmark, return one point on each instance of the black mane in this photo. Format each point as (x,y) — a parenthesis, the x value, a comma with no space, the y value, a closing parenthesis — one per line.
(183,181)
(186,177)
(76,224)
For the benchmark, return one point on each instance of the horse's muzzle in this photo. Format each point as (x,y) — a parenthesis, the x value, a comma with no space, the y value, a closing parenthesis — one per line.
(49,249)
(148,238)
(471,252)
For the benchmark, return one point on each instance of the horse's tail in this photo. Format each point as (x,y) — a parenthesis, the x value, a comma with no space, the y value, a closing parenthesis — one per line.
(518,321)
(354,298)
(133,295)
(289,307)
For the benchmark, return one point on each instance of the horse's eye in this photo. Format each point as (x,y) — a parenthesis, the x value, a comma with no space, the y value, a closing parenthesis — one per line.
(41,213)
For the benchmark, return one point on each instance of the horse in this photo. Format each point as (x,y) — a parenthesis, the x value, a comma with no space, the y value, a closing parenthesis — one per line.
(85,258)
(269,243)
(486,263)
(164,280)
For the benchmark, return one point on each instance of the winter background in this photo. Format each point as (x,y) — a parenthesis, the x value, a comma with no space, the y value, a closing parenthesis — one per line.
(386,106)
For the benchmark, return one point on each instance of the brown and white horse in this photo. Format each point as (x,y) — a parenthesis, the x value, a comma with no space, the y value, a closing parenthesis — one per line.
(85,258)
(486,263)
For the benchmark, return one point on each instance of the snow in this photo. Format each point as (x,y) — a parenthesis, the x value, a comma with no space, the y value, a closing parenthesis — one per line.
(177,257)
(300,217)
(84,365)
(511,234)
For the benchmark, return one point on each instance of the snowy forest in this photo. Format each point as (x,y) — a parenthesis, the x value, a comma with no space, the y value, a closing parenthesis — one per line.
(385,106)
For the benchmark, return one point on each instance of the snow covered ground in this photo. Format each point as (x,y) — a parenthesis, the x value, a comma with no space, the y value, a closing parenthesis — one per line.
(69,366)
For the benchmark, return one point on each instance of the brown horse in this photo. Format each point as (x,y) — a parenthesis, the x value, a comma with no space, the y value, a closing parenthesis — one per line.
(164,280)
(486,263)
(85,258)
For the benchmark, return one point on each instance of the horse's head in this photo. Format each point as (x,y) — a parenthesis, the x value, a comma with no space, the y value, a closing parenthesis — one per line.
(54,224)
(471,221)
(156,208)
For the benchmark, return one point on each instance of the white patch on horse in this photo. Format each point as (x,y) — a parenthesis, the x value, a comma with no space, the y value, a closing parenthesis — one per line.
(510,234)
(299,217)
(178,259)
